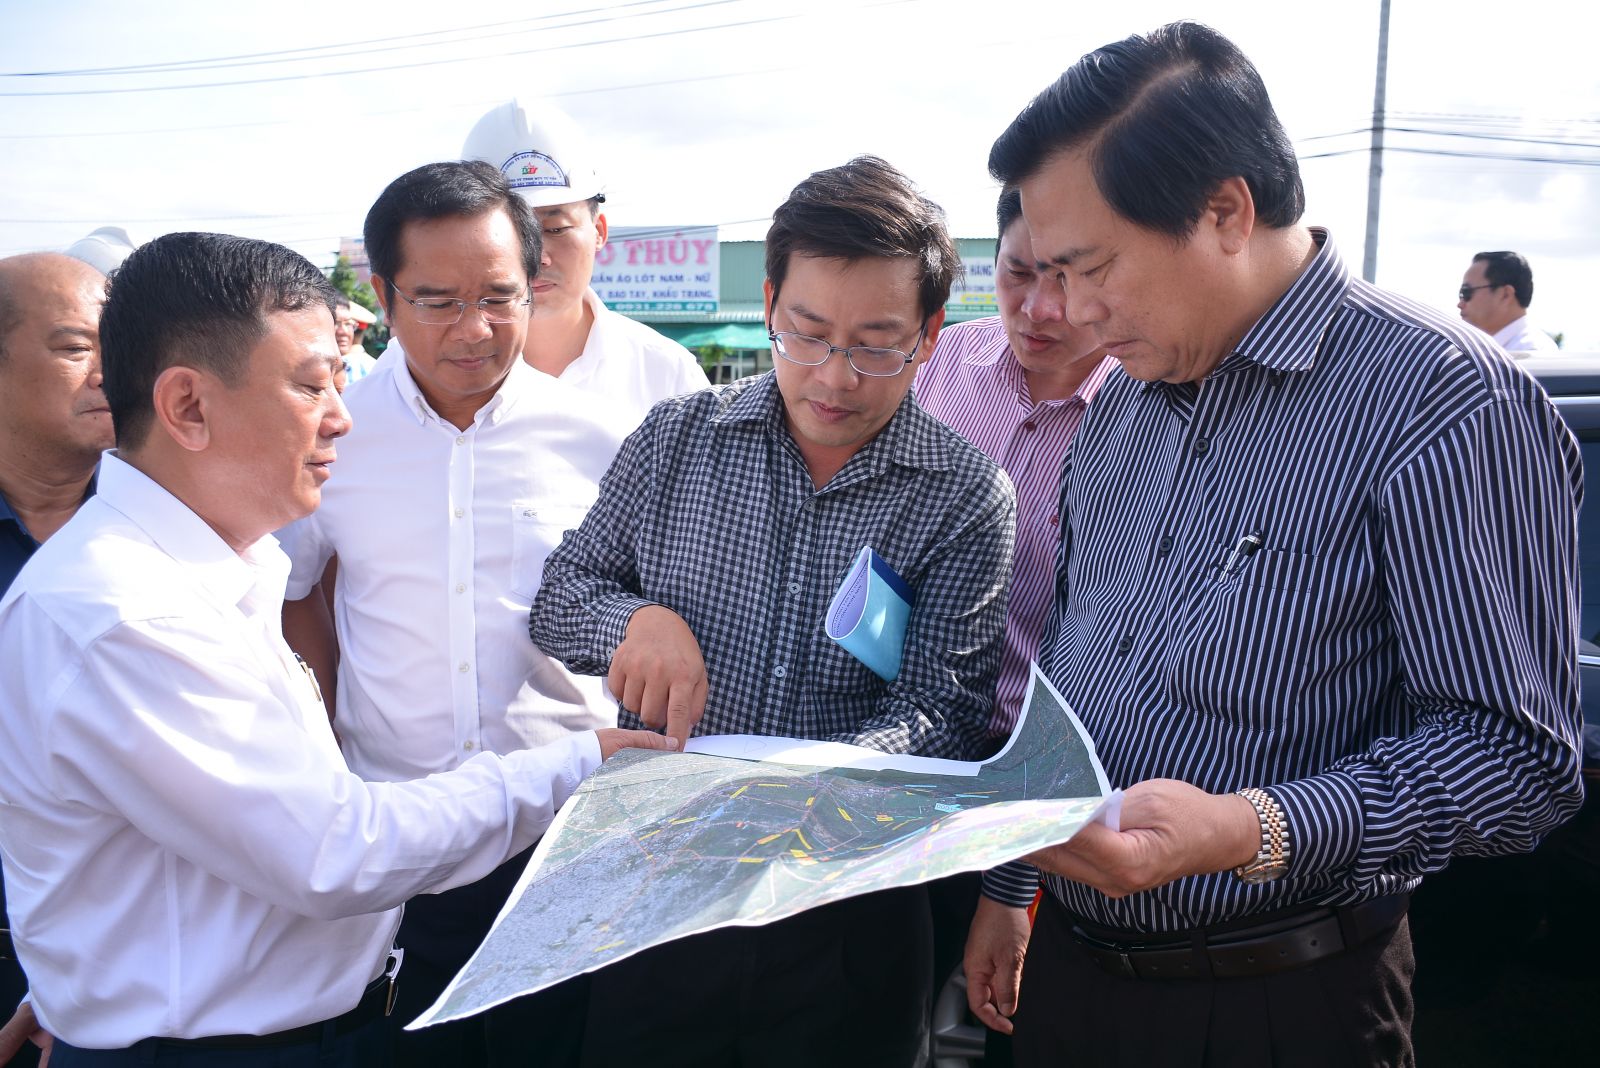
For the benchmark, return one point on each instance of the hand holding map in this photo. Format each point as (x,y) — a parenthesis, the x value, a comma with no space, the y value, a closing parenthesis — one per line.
(659,846)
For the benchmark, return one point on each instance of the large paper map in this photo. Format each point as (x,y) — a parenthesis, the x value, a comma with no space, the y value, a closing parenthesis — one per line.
(657,846)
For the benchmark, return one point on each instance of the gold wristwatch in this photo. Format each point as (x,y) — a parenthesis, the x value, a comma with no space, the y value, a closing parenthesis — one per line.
(1272,858)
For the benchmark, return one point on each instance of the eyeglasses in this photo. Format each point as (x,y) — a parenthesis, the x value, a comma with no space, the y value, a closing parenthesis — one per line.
(446,311)
(869,360)
(1465,293)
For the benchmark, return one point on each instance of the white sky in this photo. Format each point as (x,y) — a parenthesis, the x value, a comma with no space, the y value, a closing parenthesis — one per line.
(716,124)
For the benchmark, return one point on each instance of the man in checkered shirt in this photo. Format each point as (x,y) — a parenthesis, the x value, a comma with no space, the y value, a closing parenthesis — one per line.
(700,579)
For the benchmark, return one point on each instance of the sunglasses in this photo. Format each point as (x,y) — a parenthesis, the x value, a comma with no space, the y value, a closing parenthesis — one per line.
(1466,291)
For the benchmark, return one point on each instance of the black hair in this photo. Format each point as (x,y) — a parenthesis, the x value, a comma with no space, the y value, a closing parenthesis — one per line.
(1165,118)
(1007,211)
(1508,269)
(865,209)
(194,300)
(465,189)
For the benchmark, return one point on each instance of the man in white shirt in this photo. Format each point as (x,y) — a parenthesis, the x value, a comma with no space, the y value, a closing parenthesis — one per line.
(465,468)
(196,877)
(349,319)
(1494,297)
(54,424)
(572,334)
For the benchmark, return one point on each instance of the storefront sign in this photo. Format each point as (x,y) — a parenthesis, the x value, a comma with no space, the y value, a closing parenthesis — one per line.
(975,293)
(656,269)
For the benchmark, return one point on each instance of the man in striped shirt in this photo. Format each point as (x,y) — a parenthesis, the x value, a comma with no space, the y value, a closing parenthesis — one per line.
(1016,385)
(1316,601)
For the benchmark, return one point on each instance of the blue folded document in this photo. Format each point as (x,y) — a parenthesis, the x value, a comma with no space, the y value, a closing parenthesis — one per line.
(869,613)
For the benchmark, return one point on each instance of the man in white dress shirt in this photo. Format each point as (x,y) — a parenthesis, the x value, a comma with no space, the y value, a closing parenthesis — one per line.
(1494,297)
(465,468)
(196,877)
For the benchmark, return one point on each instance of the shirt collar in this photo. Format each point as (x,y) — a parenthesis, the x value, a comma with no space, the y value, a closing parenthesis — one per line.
(184,536)
(912,437)
(1288,336)
(1091,385)
(1511,330)
(1007,369)
(9,515)
(517,381)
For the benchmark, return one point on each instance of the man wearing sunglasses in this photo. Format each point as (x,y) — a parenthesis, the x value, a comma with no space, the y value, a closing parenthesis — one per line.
(700,580)
(1494,297)
(465,467)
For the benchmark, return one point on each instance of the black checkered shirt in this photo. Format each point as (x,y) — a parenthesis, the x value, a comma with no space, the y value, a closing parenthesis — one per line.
(709,510)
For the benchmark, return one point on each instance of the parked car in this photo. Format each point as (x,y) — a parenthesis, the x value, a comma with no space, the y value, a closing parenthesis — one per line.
(1506,946)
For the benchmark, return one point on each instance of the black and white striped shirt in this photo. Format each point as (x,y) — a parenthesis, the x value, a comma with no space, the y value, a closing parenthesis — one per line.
(1397,662)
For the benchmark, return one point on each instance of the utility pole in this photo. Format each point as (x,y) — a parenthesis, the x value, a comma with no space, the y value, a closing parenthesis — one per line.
(1369,262)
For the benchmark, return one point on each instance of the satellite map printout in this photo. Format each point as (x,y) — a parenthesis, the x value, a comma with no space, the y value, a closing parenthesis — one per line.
(656,846)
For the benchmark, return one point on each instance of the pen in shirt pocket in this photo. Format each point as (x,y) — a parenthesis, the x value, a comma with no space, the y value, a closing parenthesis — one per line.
(1246,547)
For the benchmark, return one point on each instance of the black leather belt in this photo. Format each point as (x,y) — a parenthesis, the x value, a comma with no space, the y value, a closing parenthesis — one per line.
(377,1001)
(1261,946)
(8,949)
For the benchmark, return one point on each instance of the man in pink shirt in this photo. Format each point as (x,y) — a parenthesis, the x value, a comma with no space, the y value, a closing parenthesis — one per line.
(1017,385)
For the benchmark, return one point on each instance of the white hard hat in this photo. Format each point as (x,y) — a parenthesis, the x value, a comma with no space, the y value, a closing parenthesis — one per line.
(539,150)
(104,249)
(360,314)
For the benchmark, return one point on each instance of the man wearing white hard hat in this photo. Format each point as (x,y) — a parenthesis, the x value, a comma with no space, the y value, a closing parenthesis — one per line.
(349,319)
(104,248)
(572,335)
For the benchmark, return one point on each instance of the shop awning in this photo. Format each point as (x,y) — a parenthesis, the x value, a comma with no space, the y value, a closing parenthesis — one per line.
(728,335)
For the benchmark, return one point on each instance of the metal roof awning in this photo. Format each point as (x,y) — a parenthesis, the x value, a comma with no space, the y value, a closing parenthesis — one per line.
(728,335)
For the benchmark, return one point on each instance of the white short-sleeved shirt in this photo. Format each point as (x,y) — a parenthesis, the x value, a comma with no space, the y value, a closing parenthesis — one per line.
(624,362)
(186,853)
(441,536)
(630,364)
(1520,335)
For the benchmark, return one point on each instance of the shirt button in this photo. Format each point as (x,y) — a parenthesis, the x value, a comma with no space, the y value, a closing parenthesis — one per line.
(464,668)
(1055,520)
(1030,425)
(1124,646)
(460,512)
(461,439)
(778,672)
(1202,446)
(467,746)
(461,587)
(794,589)
(1165,545)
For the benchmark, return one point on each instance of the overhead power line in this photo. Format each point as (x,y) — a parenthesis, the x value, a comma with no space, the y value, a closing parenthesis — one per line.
(413,65)
(1470,134)
(57,135)
(309,51)
(1504,156)
(377,45)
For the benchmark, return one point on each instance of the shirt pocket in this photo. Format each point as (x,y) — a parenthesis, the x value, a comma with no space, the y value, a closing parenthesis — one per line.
(1243,656)
(536,530)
